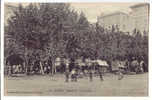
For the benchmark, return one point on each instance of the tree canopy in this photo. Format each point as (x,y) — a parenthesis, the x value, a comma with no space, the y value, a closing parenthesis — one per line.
(57,30)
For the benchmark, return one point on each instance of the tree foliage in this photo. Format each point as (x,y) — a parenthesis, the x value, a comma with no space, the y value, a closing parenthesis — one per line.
(57,30)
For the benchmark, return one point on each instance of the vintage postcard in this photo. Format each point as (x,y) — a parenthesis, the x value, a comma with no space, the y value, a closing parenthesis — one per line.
(76,49)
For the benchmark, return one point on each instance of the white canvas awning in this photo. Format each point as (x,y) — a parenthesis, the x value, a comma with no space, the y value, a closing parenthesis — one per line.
(102,63)
(122,64)
(118,64)
(57,62)
(88,62)
(80,62)
(67,61)
(114,65)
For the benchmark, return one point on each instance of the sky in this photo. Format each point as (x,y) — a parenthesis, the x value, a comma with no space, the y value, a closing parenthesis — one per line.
(92,10)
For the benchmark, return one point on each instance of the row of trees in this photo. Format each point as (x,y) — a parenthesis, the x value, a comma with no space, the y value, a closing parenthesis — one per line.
(57,30)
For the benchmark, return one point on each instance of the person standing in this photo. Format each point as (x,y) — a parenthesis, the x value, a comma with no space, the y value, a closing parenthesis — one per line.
(120,74)
(73,75)
(67,75)
(90,75)
(89,67)
(142,65)
(100,72)
(67,70)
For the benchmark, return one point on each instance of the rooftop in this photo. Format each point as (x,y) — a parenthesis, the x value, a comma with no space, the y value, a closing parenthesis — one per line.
(114,13)
(139,5)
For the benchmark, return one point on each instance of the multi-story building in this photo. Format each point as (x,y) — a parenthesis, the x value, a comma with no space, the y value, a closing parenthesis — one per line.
(138,18)
(120,19)
(140,14)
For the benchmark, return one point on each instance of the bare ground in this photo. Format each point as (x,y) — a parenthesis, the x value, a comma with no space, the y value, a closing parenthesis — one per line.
(130,85)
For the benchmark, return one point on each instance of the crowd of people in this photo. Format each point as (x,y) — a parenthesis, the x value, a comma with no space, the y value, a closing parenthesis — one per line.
(73,68)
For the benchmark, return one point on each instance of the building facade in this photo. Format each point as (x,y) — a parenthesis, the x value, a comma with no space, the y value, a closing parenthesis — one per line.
(120,19)
(140,16)
(137,19)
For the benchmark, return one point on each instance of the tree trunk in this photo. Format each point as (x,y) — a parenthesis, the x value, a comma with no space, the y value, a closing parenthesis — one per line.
(52,71)
(53,67)
(42,71)
(24,67)
(26,60)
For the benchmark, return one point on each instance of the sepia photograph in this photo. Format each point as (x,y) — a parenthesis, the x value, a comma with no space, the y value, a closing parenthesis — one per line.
(76,49)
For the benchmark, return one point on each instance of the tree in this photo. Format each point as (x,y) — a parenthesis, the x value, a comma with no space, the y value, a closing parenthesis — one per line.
(38,26)
(46,29)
